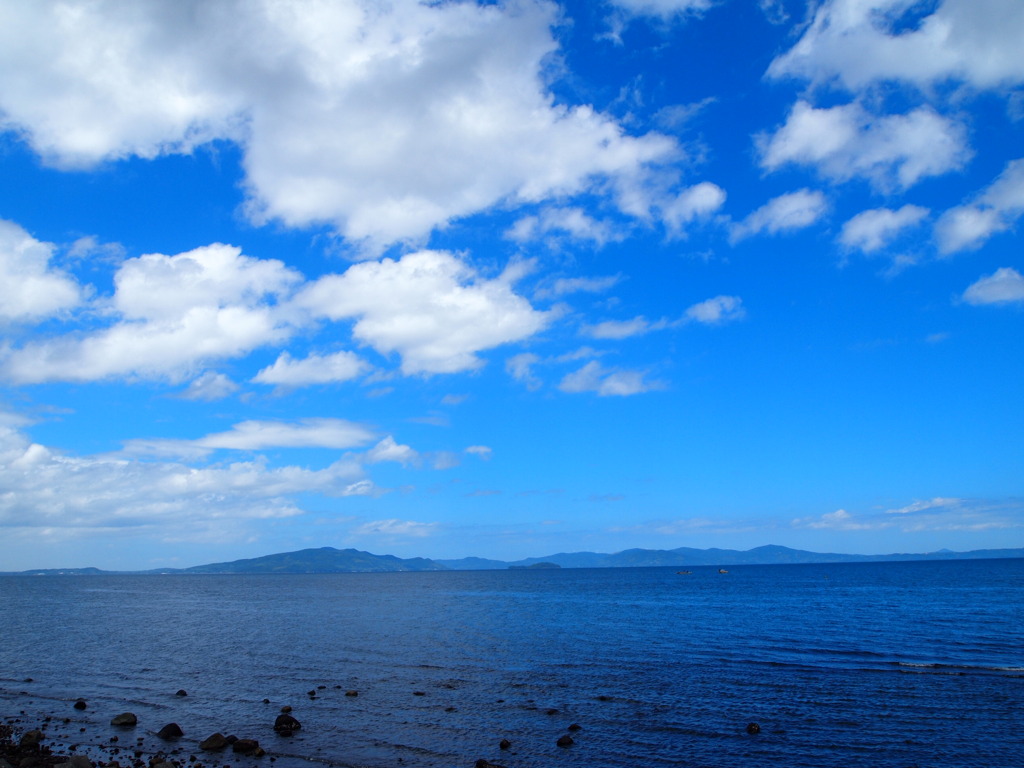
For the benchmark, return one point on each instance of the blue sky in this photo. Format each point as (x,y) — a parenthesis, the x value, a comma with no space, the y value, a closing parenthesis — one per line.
(506,279)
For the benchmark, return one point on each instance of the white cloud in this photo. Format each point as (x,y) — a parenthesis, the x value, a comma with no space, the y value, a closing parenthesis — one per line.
(870,231)
(566,285)
(573,222)
(1004,286)
(996,209)
(482,451)
(664,9)
(255,435)
(389,450)
(717,310)
(785,213)
(434,310)
(606,382)
(394,529)
(840,520)
(696,202)
(383,121)
(858,43)
(938,502)
(520,368)
(30,289)
(847,142)
(46,491)
(623,329)
(210,386)
(315,369)
(172,314)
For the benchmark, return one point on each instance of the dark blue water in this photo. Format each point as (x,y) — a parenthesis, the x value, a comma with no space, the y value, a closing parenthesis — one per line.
(880,664)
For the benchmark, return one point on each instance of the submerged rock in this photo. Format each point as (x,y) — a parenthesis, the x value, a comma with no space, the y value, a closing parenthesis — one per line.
(753,728)
(285,724)
(181,692)
(214,743)
(125,719)
(170,731)
(249,747)
(504,744)
(81,704)
(575,727)
(565,741)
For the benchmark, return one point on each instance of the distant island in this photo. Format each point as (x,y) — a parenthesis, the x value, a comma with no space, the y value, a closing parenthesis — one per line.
(331,560)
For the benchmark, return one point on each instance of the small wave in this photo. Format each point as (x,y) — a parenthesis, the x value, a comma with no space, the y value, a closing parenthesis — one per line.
(960,669)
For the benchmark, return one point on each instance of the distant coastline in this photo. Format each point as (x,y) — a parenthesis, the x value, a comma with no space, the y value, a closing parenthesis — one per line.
(331,560)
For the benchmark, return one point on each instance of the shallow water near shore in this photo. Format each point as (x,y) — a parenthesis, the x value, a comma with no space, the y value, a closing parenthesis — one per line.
(868,664)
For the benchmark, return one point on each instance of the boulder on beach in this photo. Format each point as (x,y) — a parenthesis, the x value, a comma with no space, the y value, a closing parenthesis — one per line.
(125,719)
(30,739)
(214,743)
(170,731)
(249,747)
(285,724)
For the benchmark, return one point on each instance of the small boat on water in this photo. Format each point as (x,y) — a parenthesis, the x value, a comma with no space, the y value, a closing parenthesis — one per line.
(722,570)
(684,573)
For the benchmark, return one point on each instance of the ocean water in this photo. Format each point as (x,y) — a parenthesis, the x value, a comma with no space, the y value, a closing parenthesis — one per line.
(873,664)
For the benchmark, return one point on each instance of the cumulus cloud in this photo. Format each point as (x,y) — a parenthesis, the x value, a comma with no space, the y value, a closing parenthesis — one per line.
(571,222)
(173,313)
(607,382)
(996,209)
(1004,286)
(697,202)
(871,231)
(256,435)
(717,310)
(286,371)
(382,121)
(623,329)
(785,213)
(520,367)
(210,386)
(847,142)
(45,490)
(389,450)
(30,288)
(432,309)
(856,43)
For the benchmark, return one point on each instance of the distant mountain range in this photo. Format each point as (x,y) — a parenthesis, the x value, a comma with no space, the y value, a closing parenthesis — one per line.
(330,560)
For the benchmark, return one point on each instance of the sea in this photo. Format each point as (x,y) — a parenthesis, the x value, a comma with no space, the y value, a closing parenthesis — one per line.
(855,664)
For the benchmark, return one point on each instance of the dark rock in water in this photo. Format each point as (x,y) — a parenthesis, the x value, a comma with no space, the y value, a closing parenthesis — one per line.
(481,763)
(753,728)
(232,739)
(419,693)
(249,747)
(504,744)
(182,692)
(170,731)
(266,701)
(575,727)
(214,743)
(552,711)
(565,741)
(351,693)
(311,693)
(286,708)
(125,719)
(286,723)
(603,697)
(80,704)
(30,739)
(321,687)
